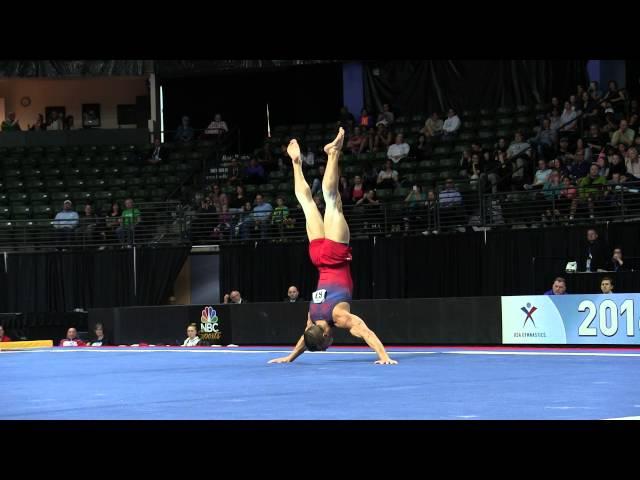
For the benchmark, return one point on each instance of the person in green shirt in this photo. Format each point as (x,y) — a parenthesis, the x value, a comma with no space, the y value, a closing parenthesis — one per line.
(11,123)
(130,218)
(280,215)
(589,188)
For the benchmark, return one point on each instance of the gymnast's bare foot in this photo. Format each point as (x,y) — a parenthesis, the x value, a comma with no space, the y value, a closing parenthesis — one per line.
(293,150)
(336,145)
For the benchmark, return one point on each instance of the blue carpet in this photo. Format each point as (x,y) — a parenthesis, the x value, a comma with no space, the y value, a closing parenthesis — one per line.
(429,383)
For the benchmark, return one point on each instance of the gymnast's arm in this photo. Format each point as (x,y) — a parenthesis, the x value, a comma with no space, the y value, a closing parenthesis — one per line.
(297,350)
(359,329)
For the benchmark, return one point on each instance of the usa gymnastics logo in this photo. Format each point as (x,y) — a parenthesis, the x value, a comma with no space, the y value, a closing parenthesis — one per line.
(209,324)
(528,311)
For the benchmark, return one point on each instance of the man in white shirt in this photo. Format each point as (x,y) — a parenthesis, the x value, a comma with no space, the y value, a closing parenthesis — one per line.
(398,150)
(217,127)
(451,124)
(56,122)
(518,151)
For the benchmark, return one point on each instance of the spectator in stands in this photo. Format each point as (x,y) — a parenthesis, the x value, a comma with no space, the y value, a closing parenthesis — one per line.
(388,177)
(606,285)
(155,154)
(344,189)
(502,170)
(234,298)
(632,124)
(113,219)
(579,168)
(431,213)
(588,106)
(235,173)
(595,253)
(67,122)
(366,120)
(554,120)
(595,140)
(632,162)
(545,140)
(192,340)
(566,123)
(308,157)
(559,287)
(541,176)
(55,122)
(617,262)
(590,189)
(386,117)
(415,197)
(293,295)
(238,200)
(346,119)
(40,124)
(99,339)
(184,132)
(72,339)
(558,165)
(623,135)
(615,97)
(244,221)
(382,139)
(254,173)
(450,201)
(451,124)
(356,141)
(475,168)
(357,192)
(555,103)
(89,224)
(3,337)
(223,228)
(518,154)
(399,150)
(262,215)
(66,222)
(130,219)
(280,215)
(551,192)
(316,184)
(617,166)
(423,148)
(433,126)
(610,124)
(369,142)
(217,127)
(11,123)
(594,90)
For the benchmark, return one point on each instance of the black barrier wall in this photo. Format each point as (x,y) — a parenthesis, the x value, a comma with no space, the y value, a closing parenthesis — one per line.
(432,321)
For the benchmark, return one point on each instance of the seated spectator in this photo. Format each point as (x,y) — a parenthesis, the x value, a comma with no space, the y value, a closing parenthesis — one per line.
(235,173)
(450,201)
(11,124)
(344,189)
(551,191)
(382,138)
(590,188)
(594,90)
(238,200)
(316,184)
(615,97)
(346,119)
(423,148)
(451,124)
(545,140)
(606,285)
(595,140)
(433,126)
(387,177)
(617,262)
(399,150)
(308,157)
(579,168)
(3,337)
(588,106)
(293,295)
(623,135)
(130,219)
(262,215)
(566,123)
(633,124)
(541,176)
(386,117)
(234,298)
(415,197)
(498,172)
(366,120)
(40,124)
(369,199)
(184,132)
(555,120)
(280,217)
(99,339)
(518,154)
(217,127)
(89,222)
(244,221)
(72,339)
(155,154)
(357,192)
(192,340)
(223,228)
(475,168)
(557,164)
(55,122)
(254,174)
(369,141)
(610,123)
(632,162)
(356,141)
(617,166)
(559,287)
(66,222)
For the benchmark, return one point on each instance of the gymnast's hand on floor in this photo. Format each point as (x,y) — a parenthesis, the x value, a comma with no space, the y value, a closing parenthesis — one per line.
(280,360)
(388,361)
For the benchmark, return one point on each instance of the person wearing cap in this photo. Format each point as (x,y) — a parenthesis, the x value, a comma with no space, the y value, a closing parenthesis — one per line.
(66,221)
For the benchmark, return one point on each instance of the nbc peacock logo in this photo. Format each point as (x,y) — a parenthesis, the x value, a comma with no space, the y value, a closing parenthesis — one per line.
(209,324)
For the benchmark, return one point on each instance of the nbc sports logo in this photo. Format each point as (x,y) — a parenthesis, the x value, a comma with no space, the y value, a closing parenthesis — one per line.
(209,320)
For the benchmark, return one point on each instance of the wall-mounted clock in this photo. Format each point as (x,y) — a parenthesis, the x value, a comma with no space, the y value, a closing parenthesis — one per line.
(25,101)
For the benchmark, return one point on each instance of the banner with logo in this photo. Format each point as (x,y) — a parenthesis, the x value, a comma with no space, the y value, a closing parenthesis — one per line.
(571,319)
(214,325)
